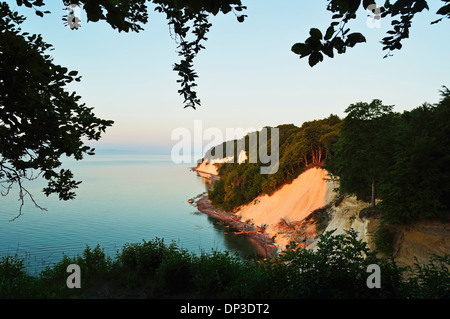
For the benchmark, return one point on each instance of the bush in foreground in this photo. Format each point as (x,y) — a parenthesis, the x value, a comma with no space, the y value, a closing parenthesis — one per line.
(154,269)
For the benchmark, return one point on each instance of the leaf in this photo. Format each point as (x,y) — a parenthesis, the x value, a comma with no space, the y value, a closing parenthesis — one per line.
(301,49)
(39,13)
(38,3)
(315,34)
(436,21)
(241,18)
(315,58)
(328,51)
(94,11)
(329,33)
(444,10)
(354,38)
(367,3)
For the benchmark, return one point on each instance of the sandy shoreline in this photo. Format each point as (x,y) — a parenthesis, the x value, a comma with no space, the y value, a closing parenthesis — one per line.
(262,242)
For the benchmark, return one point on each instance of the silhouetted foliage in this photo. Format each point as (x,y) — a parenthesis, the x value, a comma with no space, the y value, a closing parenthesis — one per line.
(39,120)
(337,37)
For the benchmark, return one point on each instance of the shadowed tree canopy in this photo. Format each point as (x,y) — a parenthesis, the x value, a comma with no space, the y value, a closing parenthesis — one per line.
(189,23)
(401,158)
(361,151)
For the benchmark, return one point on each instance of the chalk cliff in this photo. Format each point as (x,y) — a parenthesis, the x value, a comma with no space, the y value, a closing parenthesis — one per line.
(300,211)
(210,166)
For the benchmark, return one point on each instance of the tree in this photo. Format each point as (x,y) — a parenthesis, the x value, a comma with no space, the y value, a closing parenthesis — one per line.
(39,120)
(189,19)
(402,159)
(361,153)
(417,182)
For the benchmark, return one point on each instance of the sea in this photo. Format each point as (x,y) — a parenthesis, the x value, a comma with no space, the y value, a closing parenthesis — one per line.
(123,198)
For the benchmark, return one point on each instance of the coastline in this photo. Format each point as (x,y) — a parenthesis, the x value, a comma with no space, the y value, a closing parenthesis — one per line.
(210,176)
(273,222)
(262,241)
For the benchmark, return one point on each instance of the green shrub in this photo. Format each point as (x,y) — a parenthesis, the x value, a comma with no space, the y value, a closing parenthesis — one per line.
(14,281)
(175,274)
(215,272)
(430,280)
(384,239)
(142,259)
(336,269)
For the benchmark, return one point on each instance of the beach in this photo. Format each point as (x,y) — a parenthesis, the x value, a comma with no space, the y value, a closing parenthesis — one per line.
(257,236)
(262,241)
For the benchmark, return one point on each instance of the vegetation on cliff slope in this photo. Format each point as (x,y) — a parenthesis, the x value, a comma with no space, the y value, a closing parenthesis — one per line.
(299,148)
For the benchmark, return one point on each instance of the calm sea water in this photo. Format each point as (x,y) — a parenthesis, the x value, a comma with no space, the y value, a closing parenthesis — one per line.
(122,199)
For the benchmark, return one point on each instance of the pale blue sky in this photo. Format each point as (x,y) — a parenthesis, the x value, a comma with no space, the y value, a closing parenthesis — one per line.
(248,77)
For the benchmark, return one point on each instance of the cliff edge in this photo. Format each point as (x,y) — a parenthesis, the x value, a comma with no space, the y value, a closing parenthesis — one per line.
(300,211)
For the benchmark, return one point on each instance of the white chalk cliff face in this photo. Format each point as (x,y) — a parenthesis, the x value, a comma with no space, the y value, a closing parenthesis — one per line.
(242,157)
(411,243)
(345,217)
(289,206)
(210,167)
(285,212)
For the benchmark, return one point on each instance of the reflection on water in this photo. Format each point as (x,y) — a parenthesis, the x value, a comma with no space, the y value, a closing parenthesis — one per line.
(242,246)
(206,179)
(123,199)
(245,247)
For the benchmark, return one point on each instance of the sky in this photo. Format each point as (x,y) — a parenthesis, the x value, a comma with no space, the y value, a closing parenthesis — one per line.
(248,76)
